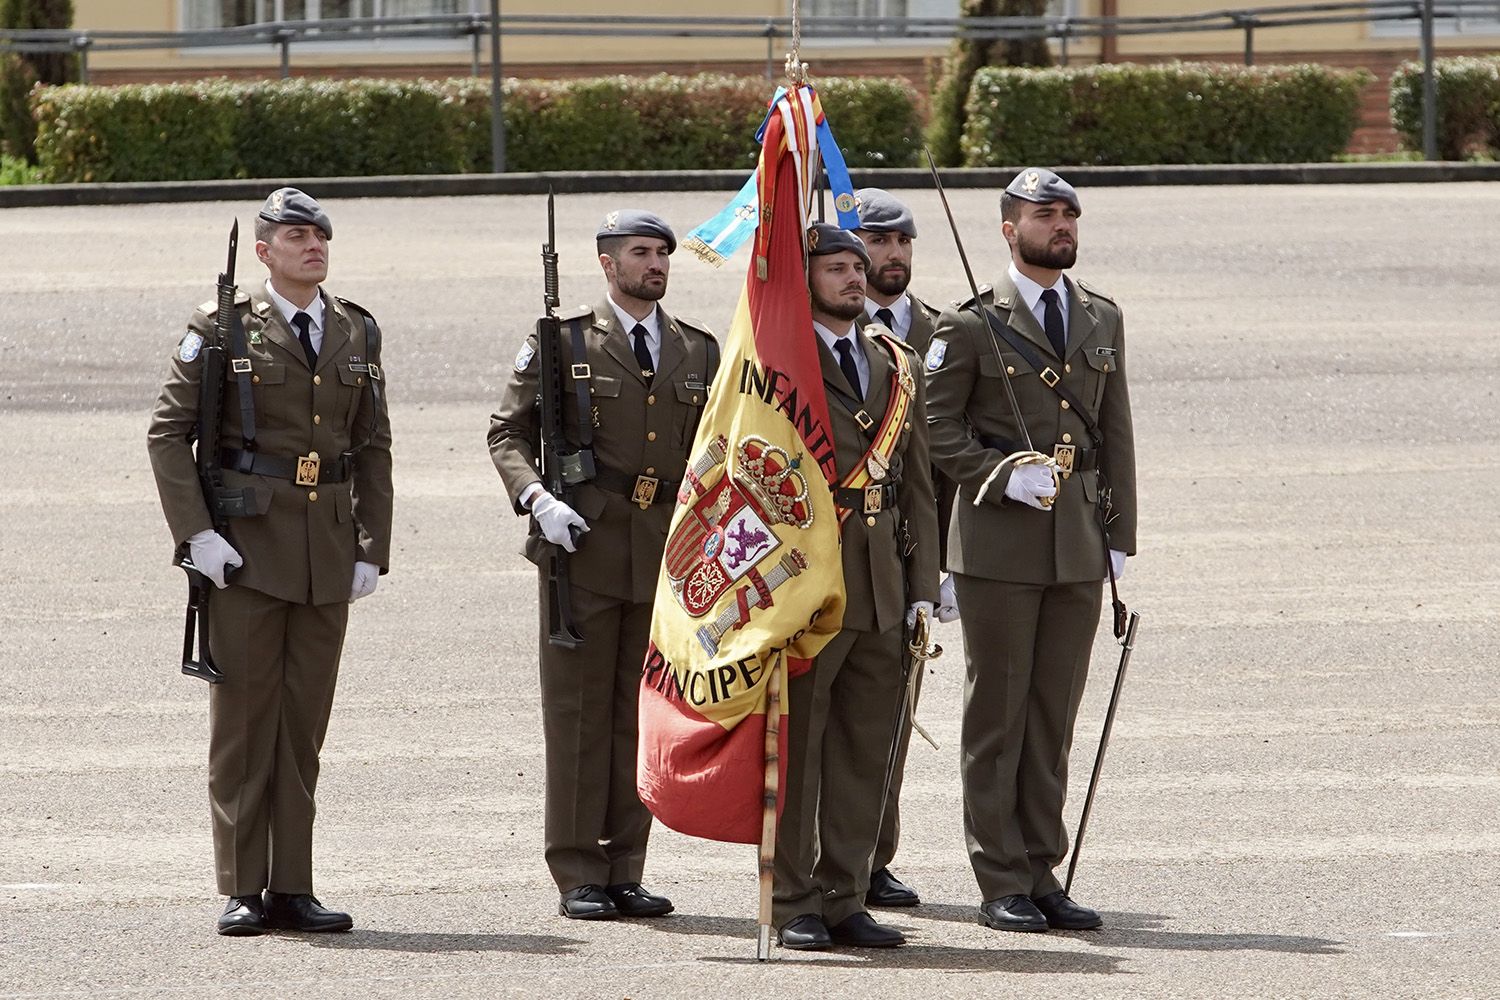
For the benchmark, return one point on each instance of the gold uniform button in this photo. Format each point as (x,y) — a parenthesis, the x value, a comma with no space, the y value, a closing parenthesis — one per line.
(651,400)
(906,426)
(1065,404)
(317,380)
(651,436)
(255,379)
(870,521)
(1010,369)
(1067,369)
(650,470)
(695,397)
(317,419)
(359,380)
(312,496)
(1067,439)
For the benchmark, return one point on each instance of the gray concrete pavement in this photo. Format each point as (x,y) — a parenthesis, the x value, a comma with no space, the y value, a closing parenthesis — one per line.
(1301,793)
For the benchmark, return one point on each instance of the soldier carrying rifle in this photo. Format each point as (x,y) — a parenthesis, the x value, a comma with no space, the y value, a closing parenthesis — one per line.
(591,438)
(286,510)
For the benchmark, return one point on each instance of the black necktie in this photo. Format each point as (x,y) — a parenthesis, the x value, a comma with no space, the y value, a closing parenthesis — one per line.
(642,352)
(846,362)
(303,322)
(1053,321)
(886,318)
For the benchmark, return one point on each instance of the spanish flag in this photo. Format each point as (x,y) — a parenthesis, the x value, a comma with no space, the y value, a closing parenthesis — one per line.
(752,579)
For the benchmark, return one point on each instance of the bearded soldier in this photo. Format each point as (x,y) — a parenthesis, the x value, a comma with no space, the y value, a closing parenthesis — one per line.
(1030,554)
(639,380)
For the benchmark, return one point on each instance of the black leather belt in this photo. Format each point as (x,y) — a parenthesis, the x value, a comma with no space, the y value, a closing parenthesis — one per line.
(637,488)
(870,499)
(304,470)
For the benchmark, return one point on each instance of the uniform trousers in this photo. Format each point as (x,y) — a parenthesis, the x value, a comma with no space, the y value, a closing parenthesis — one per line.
(267,721)
(1027,649)
(840,719)
(596,826)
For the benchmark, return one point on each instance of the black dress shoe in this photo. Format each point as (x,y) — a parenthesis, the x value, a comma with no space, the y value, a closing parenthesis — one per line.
(633,901)
(1012,913)
(587,902)
(1065,915)
(887,890)
(300,911)
(243,916)
(861,931)
(805,933)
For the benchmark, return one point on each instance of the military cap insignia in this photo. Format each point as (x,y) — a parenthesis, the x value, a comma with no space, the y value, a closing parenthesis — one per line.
(845,202)
(612,220)
(1032,182)
(278,201)
(936,351)
(192,343)
(812,239)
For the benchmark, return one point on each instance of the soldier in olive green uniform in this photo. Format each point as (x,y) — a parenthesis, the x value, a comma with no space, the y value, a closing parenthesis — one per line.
(888,230)
(842,710)
(1030,556)
(307,442)
(647,378)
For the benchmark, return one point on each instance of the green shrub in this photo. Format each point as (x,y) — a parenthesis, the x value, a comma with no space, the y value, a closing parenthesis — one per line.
(1172,113)
(321,128)
(1468,105)
(14,170)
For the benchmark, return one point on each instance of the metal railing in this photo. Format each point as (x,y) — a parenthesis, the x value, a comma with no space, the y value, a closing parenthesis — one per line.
(478,27)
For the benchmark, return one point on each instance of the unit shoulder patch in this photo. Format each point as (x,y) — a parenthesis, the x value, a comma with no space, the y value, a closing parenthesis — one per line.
(936,351)
(191,345)
(525,356)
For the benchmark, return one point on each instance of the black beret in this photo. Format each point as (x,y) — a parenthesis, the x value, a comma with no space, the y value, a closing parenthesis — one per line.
(1041,185)
(634,222)
(880,212)
(291,207)
(824,238)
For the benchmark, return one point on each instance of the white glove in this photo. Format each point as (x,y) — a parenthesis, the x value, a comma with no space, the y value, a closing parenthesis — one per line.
(911,612)
(366,575)
(557,520)
(1117,562)
(1029,483)
(213,556)
(947,609)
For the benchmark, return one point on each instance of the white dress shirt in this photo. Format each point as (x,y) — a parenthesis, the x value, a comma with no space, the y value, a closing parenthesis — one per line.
(900,312)
(652,323)
(288,310)
(1031,294)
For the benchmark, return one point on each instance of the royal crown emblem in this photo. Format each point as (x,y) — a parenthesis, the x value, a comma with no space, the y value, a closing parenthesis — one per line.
(729,529)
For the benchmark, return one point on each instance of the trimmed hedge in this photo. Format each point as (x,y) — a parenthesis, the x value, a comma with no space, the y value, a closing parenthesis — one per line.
(1468,105)
(1170,113)
(325,128)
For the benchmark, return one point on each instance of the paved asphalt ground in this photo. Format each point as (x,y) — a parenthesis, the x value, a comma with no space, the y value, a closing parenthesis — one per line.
(1302,794)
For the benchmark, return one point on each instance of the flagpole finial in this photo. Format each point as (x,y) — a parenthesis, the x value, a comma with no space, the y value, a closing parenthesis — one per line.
(796,69)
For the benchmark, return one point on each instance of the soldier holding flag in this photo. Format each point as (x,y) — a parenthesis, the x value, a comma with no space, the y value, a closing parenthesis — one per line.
(842,709)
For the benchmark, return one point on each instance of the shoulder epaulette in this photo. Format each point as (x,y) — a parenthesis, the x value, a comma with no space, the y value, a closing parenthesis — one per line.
(211,307)
(1096,293)
(577,312)
(350,304)
(694,324)
(985,292)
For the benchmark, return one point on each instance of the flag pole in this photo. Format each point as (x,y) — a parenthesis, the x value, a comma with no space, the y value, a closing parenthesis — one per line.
(768,813)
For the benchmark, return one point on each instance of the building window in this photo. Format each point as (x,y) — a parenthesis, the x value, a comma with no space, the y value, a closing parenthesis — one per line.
(1445,26)
(237,13)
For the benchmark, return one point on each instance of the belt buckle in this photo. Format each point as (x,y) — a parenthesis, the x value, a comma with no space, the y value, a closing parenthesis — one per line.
(874,499)
(582,372)
(645,491)
(1050,377)
(307,469)
(1064,454)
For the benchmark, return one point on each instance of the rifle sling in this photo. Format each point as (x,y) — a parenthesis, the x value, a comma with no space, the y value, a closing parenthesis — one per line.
(582,395)
(239,353)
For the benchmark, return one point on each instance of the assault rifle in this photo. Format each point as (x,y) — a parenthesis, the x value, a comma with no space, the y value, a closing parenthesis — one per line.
(221,503)
(564,465)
